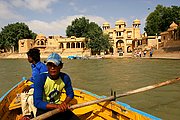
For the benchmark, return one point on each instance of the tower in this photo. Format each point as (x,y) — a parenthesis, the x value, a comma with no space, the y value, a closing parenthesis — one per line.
(106,26)
(120,24)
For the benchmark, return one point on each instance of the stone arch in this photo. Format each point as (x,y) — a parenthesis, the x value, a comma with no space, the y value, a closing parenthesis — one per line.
(77,45)
(38,42)
(129,49)
(72,45)
(111,50)
(82,45)
(42,42)
(68,45)
(61,45)
(120,45)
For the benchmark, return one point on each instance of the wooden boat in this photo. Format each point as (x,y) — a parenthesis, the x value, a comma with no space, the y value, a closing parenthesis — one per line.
(10,106)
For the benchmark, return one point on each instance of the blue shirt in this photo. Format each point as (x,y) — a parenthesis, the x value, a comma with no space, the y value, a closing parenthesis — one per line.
(37,68)
(39,83)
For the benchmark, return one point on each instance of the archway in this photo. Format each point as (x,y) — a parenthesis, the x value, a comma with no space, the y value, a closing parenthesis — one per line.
(120,46)
(129,49)
(42,42)
(77,45)
(68,45)
(82,45)
(61,45)
(111,50)
(72,45)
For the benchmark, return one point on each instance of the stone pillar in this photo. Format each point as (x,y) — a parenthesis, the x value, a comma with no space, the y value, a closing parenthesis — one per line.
(65,45)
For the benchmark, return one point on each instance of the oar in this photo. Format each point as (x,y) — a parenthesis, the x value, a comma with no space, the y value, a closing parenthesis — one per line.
(55,111)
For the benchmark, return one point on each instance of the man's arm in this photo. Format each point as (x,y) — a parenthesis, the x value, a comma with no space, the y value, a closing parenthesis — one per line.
(68,86)
(38,91)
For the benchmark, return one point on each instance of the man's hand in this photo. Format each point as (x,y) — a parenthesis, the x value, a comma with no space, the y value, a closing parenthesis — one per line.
(63,106)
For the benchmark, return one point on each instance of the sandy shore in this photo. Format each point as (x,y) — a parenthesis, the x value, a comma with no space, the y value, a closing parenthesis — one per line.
(168,55)
(24,55)
(156,54)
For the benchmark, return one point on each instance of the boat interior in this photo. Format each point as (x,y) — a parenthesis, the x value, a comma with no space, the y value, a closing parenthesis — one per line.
(108,110)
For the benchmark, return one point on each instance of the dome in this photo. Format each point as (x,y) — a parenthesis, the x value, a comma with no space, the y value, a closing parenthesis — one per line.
(137,21)
(120,22)
(40,36)
(173,25)
(106,24)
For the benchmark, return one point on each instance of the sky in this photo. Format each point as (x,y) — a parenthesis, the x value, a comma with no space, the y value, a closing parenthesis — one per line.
(51,17)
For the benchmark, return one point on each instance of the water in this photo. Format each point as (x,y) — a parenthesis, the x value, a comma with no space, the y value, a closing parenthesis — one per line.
(122,75)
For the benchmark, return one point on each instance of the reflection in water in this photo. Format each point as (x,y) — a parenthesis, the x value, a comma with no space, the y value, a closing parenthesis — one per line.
(122,75)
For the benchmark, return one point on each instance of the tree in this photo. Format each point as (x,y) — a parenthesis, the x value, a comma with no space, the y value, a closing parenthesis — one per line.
(10,35)
(159,20)
(100,44)
(78,28)
(83,28)
(98,41)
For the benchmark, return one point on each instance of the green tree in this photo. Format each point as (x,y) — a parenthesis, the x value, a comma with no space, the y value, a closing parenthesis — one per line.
(160,19)
(83,28)
(78,28)
(98,42)
(10,35)
(178,33)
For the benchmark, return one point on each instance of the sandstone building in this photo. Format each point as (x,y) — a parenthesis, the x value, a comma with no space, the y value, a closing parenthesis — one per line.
(62,45)
(170,39)
(123,39)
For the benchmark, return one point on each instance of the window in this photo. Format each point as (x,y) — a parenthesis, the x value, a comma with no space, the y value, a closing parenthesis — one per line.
(37,42)
(77,45)
(111,35)
(61,45)
(68,45)
(72,45)
(22,44)
(121,33)
(129,33)
(129,42)
(82,45)
(42,43)
(118,33)
(50,37)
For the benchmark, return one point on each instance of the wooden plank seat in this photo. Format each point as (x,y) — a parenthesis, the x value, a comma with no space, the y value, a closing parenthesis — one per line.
(16,103)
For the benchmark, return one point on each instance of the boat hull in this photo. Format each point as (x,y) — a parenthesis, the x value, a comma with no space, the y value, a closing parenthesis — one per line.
(10,107)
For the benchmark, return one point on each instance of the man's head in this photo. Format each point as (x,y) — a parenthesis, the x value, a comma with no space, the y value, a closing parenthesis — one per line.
(54,64)
(33,55)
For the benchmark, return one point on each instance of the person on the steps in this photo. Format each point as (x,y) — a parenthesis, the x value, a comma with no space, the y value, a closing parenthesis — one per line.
(28,108)
(47,93)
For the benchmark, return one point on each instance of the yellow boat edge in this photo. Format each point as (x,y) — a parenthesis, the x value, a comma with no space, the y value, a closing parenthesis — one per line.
(122,104)
(96,96)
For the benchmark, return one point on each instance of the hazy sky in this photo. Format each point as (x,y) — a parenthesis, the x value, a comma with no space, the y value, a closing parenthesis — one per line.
(51,17)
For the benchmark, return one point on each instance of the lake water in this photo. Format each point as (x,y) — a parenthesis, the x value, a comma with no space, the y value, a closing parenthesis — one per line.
(122,75)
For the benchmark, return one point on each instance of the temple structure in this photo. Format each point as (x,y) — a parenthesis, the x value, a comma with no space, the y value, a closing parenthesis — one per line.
(62,45)
(123,39)
(170,39)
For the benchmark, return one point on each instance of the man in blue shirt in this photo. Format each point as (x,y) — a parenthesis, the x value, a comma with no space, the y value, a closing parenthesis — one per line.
(47,93)
(27,96)
(36,65)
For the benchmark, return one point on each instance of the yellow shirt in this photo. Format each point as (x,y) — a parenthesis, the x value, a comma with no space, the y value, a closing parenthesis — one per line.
(53,90)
